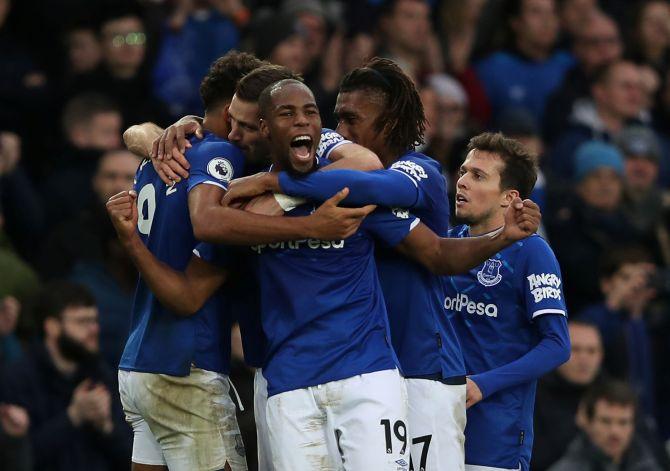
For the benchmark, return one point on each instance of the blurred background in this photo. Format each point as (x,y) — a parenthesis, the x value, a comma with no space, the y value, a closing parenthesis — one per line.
(584,83)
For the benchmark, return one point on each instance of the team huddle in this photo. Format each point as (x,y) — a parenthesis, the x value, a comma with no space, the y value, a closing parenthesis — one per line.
(371,324)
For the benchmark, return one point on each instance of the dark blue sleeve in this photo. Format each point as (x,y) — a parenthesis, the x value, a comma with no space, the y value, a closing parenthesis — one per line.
(381,187)
(215,163)
(552,351)
(390,226)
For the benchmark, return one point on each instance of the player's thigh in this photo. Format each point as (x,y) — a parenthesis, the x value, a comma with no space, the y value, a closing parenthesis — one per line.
(193,420)
(370,418)
(147,453)
(297,429)
(265,461)
(437,423)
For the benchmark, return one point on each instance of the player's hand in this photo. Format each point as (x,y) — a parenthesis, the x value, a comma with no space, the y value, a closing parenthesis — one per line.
(265,204)
(175,138)
(522,219)
(472,393)
(14,420)
(331,222)
(122,209)
(249,187)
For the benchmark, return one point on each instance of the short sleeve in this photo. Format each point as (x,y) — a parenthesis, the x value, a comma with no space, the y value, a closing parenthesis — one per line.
(330,140)
(214,163)
(390,226)
(542,283)
(221,256)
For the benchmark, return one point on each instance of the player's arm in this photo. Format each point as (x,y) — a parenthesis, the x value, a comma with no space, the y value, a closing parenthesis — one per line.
(450,256)
(183,293)
(215,223)
(352,156)
(165,147)
(381,187)
(552,351)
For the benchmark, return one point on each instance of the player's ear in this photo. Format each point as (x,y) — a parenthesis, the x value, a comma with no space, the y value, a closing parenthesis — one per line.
(225,113)
(264,128)
(508,196)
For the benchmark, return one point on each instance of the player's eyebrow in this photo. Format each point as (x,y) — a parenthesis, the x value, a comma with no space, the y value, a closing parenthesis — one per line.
(242,122)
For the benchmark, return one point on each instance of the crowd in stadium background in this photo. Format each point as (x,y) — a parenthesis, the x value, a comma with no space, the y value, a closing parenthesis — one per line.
(584,83)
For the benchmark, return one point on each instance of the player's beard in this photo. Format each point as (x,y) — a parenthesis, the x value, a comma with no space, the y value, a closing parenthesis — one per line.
(75,351)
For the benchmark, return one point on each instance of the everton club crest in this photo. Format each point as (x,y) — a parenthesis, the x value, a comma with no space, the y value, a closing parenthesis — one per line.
(490,275)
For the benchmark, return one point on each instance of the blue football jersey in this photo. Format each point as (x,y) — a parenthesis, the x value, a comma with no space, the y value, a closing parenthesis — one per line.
(244,295)
(423,337)
(160,341)
(493,308)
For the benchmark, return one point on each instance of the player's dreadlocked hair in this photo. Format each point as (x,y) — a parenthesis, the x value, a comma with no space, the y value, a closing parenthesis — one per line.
(219,84)
(402,119)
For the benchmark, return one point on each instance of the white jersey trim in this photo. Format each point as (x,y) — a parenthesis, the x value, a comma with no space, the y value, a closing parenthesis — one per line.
(414,224)
(542,312)
(335,146)
(474,467)
(403,173)
(210,182)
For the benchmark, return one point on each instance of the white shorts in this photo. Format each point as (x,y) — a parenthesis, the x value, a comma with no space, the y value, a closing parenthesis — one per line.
(358,423)
(182,422)
(437,424)
(265,461)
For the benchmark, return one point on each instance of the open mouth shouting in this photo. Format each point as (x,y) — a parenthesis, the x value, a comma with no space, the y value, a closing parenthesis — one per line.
(301,149)
(460,199)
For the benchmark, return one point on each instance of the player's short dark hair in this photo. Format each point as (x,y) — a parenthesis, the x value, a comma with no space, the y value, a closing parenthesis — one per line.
(402,115)
(56,296)
(616,257)
(611,391)
(84,107)
(252,85)
(265,99)
(520,172)
(221,80)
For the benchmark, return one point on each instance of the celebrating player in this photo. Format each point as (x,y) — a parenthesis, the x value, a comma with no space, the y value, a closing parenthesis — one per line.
(378,107)
(509,312)
(173,372)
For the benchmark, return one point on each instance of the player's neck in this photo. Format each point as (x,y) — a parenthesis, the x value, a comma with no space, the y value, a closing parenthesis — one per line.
(388,157)
(216,125)
(63,365)
(487,225)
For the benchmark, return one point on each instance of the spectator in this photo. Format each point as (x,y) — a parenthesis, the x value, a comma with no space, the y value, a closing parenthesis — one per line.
(445,105)
(458,38)
(123,74)
(199,33)
(15,453)
(608,441)
(92,125)
(10,348)
(643,200)
(86,250)
(596,42)
(76,420)
(560,392)
(529,71)
(22,215)
(84,51)
(616,99)
(325,40)
(408,38)
(573,13)
(590,221)
(625,282)
(650,41)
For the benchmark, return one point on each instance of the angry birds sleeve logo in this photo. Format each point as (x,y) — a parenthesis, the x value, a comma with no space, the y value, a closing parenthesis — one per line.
(221,169)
